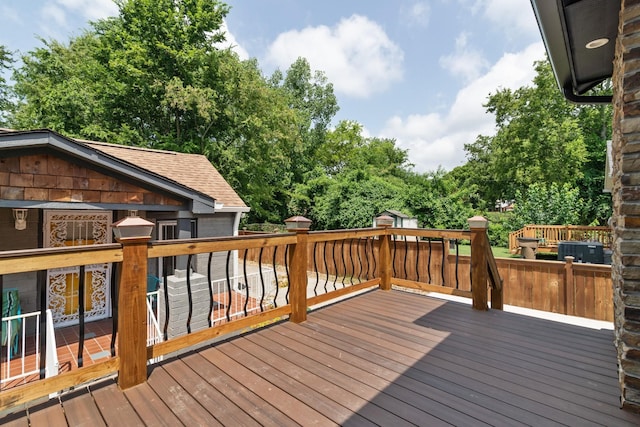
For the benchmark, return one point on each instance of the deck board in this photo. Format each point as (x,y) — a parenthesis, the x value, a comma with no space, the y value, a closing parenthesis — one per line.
(114,406)
(80,409)
(293,408)
(182,404)
(49,413)
(386,358)
(368,360)
(20,420)
(307,394)
(149,407)
(360,393)
(222,408)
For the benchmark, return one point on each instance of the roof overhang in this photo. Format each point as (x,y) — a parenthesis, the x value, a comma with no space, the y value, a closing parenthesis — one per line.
(574,33)
(13,142)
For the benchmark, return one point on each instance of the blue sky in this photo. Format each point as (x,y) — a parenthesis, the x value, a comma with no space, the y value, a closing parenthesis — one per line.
(417,71)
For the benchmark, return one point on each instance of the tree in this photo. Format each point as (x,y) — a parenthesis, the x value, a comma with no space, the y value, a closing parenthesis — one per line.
(311,95)
(475,174)
(539,139)
(254,138)
(552,204)
(152,77)
(6,59)
(436,200)
(595,123)
(65,89)
(355,178)
(352,199)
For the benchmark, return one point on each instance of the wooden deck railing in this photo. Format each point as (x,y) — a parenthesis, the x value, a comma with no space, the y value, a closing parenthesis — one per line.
(551,235)
(360,259)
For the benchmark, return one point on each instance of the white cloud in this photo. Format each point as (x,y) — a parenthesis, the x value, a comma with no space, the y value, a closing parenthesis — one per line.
(230,41)
(356,55)
(514,17)
(54,15)
(57,16)
(91,9)
(9,14)
(436,139)
(417,14)
(465,62)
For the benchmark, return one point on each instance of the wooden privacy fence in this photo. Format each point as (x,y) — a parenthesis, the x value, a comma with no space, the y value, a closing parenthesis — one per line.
(575,289)
(551,235)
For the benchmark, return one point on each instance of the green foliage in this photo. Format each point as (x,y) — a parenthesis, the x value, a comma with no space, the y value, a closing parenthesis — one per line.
(499,228)
(352,200)
(438,202)
(355,178)
(6,59)
(311,95)
(538,138)
(152,77)
(551,205)
(541,139)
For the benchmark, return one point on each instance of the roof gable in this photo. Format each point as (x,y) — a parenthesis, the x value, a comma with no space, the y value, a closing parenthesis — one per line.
(186,176)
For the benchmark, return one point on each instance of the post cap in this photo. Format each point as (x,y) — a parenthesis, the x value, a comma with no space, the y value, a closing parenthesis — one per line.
(132,227)
(297,223)
(478,221)
(384,221)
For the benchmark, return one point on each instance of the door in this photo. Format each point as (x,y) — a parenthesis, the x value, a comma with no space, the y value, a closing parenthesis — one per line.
(75,228)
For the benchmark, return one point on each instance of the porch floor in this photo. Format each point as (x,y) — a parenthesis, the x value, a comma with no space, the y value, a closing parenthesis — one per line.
(381,358)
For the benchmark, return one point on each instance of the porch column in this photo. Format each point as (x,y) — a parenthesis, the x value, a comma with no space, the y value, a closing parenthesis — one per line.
(479,269)
(385,221)
(134,234)
(298,259)
(625,269)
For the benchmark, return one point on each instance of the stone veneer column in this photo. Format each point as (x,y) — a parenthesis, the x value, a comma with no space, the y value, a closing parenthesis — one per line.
(626,202)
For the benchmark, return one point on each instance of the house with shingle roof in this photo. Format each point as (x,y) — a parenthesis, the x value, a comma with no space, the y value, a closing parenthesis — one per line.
(59,191)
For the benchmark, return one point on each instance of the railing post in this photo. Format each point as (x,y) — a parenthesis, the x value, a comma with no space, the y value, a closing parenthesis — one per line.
(568,286)
(298,259)
(479,269)
(134,234)
(385,252)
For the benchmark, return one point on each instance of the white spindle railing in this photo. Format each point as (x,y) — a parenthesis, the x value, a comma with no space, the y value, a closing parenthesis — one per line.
(26,361)
(154,333)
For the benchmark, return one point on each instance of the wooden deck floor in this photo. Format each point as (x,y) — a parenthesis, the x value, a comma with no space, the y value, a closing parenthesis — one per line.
(382,358)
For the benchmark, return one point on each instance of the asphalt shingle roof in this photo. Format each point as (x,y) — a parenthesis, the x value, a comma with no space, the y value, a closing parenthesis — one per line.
(191,170)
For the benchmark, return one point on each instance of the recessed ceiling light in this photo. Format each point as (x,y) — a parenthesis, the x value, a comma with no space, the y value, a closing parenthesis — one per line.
(594,44)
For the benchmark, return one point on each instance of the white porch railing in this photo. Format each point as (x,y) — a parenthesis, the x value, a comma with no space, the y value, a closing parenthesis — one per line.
(238,303)
(18,365)
(154,333)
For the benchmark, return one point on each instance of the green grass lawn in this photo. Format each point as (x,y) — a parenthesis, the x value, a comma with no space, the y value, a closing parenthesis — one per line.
(497,251)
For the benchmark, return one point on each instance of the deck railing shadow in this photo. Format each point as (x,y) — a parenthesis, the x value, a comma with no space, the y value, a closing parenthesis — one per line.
(462,367)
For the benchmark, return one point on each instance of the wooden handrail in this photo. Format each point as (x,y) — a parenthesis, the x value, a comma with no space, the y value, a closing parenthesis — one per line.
(494,278)
(134,256)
